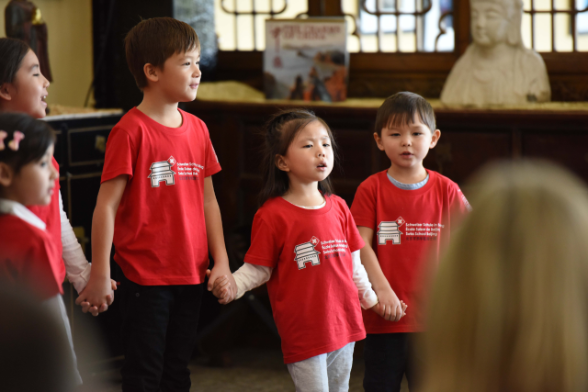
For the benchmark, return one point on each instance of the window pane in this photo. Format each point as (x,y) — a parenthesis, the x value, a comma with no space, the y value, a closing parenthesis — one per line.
(415,33)
(246,37)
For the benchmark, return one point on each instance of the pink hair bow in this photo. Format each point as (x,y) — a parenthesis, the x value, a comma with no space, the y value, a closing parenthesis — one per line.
(17,136)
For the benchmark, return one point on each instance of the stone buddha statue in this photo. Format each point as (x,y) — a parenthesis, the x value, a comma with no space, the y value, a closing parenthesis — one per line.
(496,68)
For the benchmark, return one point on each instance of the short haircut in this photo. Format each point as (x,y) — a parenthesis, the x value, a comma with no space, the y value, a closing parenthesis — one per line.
(38,137)
(12,51)
(401,108)
(153,41)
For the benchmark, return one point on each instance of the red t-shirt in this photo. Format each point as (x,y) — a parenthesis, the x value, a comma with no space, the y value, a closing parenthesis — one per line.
(409,225)
(159,230)
(314,300)
(29,257)
(51,215)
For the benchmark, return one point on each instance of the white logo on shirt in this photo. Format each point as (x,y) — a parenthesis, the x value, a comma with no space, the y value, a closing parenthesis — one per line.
(389,231)
(306,253)
(161,171)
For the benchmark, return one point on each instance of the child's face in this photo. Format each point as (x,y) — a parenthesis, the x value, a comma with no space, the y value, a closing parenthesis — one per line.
(407,145)
(309,157)
(180,77)
(28,91)
(34,184)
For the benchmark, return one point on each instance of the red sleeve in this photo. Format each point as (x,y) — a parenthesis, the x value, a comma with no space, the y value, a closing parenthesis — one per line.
(459,204)
(212,164)
(121,155)
(265,248)
(354,240)
(363,208)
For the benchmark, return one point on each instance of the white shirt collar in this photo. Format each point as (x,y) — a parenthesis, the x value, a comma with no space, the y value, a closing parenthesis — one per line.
(17,209)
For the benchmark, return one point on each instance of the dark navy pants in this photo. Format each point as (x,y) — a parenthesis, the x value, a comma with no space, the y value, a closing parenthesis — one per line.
(388,357)
(159,334)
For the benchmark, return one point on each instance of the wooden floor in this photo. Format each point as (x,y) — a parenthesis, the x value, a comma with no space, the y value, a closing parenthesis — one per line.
(259,370)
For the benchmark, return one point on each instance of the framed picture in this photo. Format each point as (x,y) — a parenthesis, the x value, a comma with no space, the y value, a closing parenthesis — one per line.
(306,59)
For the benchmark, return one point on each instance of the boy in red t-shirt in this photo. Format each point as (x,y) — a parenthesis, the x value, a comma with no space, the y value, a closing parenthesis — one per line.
(403,214)
(157,204)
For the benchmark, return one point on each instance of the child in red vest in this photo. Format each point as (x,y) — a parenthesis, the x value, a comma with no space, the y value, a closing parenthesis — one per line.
(403,214)
(29,257)
(304,243)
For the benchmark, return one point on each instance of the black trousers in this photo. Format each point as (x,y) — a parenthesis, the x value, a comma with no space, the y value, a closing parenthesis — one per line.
(388,357)
(159,334)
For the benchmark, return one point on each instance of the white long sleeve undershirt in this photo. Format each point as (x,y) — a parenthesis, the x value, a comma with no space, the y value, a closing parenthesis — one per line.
(250,276)
(76,265)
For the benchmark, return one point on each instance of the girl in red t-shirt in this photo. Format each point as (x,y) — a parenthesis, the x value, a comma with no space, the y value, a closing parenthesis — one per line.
(29,258)
(305,244)
(23,89)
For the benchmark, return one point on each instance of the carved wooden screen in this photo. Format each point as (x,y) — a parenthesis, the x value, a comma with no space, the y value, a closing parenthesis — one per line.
(556,25)
(374,25)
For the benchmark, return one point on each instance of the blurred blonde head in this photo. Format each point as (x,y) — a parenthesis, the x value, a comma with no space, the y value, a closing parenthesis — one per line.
(509,307)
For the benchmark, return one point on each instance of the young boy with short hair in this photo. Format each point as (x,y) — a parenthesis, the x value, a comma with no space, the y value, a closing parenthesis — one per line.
(401,213)
(157,203)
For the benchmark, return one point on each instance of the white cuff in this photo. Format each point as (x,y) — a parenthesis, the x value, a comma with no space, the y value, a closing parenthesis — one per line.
(367,296)
(76,265)
(250,276)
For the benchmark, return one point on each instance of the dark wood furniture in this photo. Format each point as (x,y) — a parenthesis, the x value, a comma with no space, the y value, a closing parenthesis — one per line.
(470,138)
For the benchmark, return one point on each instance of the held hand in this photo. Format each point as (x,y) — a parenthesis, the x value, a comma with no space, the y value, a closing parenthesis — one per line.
(97,294)
(389,306)
(222,288)
(217,272)
(95,310)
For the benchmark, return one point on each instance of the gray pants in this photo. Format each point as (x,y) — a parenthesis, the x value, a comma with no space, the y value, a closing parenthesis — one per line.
(325,372)
(56,306)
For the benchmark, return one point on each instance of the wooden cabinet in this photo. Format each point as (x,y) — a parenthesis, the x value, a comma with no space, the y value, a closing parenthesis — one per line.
(79,150)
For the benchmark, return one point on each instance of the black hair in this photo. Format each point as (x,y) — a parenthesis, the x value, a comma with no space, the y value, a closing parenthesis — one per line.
(400,109)
(280,130)
(12,51)
(155,40)
(38,137)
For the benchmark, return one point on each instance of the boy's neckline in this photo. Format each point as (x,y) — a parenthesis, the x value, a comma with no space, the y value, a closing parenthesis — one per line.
(177,110)
(402,180)
(168,130)
(408,187)
(390,186)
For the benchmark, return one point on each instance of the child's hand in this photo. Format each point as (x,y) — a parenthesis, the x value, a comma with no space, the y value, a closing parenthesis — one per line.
(221,290)
(389,306)
(217,272)
(95,310)
(98,293)
(380,309)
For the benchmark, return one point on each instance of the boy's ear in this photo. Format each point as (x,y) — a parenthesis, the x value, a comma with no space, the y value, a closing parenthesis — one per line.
(435,138)
(6,91)
(151,72)
(281,163)
(378,140)
(6,174)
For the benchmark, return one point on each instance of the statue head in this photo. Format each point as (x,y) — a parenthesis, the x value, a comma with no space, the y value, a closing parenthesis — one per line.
(496,21)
